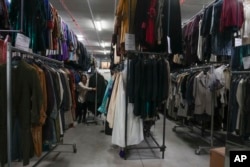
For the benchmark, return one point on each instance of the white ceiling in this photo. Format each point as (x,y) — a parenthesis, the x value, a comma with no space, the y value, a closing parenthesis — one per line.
(80,14)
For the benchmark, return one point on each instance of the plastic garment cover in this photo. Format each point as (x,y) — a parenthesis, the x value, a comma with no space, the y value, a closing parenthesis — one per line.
(134,124)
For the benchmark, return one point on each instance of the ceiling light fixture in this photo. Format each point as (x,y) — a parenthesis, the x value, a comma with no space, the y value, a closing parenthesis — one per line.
(103,44)
(80,37)
(98,25)
(105,52)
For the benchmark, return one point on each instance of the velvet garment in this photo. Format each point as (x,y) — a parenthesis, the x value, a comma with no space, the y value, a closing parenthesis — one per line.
(34,22)
(232,15)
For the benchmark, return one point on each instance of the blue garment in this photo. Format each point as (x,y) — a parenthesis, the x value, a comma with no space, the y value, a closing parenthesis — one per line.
(107,94)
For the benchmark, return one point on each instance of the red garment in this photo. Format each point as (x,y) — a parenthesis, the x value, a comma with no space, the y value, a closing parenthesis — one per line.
(3,50)
(232,14)
(150,30)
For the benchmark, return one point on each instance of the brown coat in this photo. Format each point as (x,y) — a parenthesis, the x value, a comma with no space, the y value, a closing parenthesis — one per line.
(37,129)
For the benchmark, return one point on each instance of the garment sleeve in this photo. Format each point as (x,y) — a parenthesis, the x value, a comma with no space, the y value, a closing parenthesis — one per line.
(81,86)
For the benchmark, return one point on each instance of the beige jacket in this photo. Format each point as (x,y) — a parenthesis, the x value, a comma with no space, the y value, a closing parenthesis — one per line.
(202,94)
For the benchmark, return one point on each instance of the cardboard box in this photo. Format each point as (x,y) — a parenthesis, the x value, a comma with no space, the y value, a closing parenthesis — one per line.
(217,157)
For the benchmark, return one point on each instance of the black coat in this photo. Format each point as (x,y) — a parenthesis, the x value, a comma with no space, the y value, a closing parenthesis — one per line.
(101,87)
(172,26)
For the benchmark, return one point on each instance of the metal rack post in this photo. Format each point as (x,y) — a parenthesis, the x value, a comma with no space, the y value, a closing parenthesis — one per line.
(9,100)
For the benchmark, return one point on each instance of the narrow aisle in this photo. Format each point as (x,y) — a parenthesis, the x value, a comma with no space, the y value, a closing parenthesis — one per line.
(94,150)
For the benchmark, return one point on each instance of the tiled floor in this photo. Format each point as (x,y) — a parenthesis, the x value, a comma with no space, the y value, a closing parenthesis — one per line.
(94,149)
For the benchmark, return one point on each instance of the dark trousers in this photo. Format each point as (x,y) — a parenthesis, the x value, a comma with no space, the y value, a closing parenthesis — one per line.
(81,111)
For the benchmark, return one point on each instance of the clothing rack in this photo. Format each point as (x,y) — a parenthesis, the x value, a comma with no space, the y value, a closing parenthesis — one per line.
(191,69)
(234,142)
(11,49)
(158,146)
(200,148)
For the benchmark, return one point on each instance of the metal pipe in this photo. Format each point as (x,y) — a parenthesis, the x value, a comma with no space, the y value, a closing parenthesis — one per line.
(143,148)
(154,139)
(96,84)
(9,100)
(44,156)
(126,110)
(148,53)
(164,130)
(115,7)
(212,121)
(10,31)
(240,72)
(93,21)
(36,55)
(22,11)
(169,9)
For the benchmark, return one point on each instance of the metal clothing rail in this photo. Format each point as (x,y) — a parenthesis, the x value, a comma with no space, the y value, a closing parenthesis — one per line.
(11,49)
(147,53)
(240,72)
(200,148)
(158,146)
(36,56)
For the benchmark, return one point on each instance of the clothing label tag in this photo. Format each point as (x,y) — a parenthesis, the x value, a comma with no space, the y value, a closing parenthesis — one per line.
(129,42)
(238,42)
(22,42)
(246,62)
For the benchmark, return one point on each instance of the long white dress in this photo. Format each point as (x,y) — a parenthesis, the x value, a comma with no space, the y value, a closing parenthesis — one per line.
(134,124)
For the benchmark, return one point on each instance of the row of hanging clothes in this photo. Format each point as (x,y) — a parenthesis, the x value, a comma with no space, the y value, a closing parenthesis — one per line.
(151,22)
(210,32)
(49,33)
(43,106)
(239,100)
(194,90)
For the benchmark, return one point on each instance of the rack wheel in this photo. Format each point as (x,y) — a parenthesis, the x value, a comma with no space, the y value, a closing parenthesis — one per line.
(122,154)
(197,152)
(74,148)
